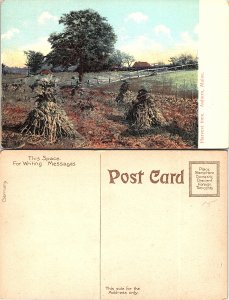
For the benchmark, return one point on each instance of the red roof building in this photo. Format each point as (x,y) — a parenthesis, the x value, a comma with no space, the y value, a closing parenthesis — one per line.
(45,72)
(141,65)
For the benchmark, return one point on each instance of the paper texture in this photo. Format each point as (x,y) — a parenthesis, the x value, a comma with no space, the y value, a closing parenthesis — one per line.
(191,112)
(113,225)
(213,74)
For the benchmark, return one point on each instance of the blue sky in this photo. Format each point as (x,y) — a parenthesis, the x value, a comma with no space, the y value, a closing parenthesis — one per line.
(151,30)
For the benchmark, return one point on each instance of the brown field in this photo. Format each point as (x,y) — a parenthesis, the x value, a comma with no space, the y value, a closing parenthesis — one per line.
(100,121)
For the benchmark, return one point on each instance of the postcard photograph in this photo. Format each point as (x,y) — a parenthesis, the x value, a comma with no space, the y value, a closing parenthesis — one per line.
(99,74)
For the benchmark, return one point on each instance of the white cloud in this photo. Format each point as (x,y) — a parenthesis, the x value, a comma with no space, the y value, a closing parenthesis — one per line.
(137,17)
(162,29)
(46,16)
(9,34)
(42,45)
(187,43)
(187,39)
(197,29)
(145,42)
(142,42)
(25,23)
(143,48)
(122,34)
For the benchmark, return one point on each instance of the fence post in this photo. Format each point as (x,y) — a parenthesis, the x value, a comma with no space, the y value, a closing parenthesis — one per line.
(109,80)
(163,87)
(184,89)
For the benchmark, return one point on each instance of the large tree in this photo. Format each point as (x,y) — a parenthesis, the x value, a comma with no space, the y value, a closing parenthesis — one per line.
(34,60)
(86,41)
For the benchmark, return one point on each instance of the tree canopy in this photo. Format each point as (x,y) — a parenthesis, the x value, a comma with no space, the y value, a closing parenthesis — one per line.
(120,59)
(128,59)
(86,41)
(34,60)
(183,59)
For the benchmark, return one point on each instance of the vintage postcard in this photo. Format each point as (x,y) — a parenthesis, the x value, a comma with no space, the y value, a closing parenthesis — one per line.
(110,74)
(118,225)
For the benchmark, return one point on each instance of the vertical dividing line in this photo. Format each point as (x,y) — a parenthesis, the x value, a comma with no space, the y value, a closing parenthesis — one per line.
(100,229)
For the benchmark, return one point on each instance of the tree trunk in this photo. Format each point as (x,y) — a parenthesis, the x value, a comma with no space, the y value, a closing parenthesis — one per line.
(80,74)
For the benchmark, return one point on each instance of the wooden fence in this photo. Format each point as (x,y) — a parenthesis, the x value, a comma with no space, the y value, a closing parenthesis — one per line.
(137,74)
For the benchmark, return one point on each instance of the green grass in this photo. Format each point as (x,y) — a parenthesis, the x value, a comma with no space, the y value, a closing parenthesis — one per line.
(179,83)
(188,78)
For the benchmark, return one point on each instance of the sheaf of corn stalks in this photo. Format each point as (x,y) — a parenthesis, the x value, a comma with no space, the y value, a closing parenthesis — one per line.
(143,114)
(48,119)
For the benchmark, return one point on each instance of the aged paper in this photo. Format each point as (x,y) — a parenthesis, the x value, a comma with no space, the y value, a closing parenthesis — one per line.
(187,104)
(213,104)
(116,225)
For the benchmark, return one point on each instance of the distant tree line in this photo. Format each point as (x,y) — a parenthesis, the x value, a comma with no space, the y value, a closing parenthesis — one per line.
(183,59)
